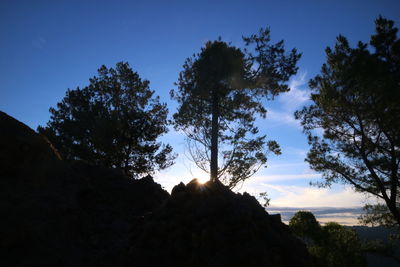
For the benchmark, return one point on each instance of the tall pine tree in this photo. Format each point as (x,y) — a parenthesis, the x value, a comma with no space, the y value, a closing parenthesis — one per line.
(220,92)
(356,102)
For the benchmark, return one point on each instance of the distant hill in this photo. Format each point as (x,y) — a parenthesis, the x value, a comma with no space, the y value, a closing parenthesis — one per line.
(374,233)
(366,233)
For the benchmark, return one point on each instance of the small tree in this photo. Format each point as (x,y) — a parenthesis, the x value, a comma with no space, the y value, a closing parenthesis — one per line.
(339,247)
(219,95)
(356,102)
(115,122)
(332,244)
(303,224)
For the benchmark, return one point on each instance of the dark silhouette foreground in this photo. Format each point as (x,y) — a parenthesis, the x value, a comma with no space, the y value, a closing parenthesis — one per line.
(209,225)
(56,213)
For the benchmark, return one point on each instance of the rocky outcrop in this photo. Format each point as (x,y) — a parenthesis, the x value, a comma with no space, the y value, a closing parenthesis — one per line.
(209,225)
(55,213)
(21,147)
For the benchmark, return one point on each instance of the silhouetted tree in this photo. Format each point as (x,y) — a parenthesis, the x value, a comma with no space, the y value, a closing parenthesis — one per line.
(219,94)
(115,122)
(304,224)
(356,103)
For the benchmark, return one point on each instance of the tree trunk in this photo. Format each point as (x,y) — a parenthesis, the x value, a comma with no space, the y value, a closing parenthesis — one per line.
(214,137)
(393,209)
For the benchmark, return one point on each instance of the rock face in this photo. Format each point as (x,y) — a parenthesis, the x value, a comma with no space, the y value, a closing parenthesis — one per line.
(55,213)
(209,225)
(22,147)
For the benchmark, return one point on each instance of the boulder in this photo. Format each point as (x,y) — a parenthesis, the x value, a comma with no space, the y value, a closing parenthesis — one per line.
(209,225)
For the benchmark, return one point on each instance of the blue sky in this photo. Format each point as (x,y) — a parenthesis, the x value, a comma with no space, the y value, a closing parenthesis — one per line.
(49,46)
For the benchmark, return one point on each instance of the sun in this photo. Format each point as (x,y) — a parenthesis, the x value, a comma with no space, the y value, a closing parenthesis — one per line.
(202,179)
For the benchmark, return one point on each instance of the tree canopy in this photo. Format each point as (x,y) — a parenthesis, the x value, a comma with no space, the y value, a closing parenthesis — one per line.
(304,224)
(356,103)
(115,121)
(220,92)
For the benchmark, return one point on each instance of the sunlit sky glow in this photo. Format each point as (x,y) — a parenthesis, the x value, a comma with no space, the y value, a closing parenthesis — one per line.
(49,46)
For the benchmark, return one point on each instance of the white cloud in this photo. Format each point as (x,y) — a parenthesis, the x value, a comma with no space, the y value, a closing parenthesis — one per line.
(287,165)
(278,118)
(297,96)
(302,196)
(285,177)
(344,216)
(299,152)
(290,102)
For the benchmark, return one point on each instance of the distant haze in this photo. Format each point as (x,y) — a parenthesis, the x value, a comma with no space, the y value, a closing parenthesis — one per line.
(344,216)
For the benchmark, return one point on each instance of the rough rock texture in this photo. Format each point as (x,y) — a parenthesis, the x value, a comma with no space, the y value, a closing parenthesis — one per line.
(209,225)
(55,213)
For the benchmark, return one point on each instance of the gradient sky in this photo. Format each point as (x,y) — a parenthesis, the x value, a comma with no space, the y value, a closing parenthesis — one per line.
(49,46)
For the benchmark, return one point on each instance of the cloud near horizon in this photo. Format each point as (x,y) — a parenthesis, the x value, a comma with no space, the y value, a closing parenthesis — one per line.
(343,216)
(309,196)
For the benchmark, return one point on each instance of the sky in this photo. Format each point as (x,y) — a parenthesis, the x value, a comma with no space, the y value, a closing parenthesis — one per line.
(47,47)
